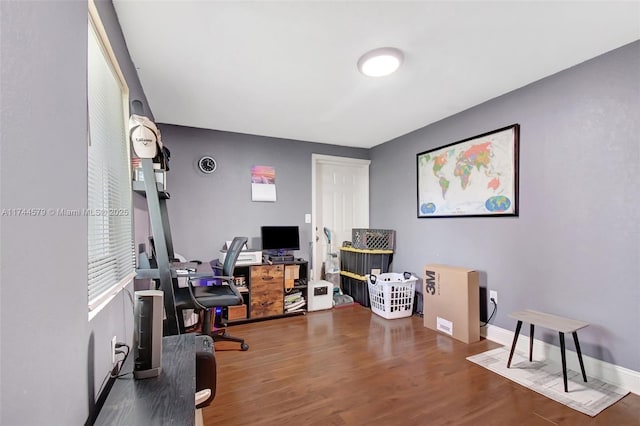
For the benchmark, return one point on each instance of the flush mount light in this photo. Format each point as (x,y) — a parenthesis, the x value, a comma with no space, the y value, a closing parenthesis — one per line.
(380,62)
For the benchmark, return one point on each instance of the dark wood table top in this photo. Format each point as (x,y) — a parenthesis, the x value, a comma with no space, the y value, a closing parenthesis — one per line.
(168,399)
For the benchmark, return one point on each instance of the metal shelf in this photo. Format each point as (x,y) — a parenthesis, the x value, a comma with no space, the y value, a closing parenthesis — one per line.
(138,187)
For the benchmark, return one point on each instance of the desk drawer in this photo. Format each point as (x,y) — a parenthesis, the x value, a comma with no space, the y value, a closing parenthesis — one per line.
(261,273)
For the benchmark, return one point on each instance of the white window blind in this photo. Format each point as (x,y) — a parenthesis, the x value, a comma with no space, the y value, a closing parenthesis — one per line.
(109,210)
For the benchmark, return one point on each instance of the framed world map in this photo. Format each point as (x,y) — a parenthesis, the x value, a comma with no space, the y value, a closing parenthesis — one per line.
(477,176)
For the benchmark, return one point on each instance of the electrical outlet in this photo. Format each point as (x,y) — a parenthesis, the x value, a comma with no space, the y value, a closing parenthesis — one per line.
(493,295)
(113,350)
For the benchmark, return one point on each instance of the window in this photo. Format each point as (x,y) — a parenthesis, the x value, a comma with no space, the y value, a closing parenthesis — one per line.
(109,216)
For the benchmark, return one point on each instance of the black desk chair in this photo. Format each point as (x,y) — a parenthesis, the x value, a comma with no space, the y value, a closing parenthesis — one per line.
(220,295)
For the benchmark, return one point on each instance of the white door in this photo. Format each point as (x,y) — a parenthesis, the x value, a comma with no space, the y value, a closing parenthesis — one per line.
(340,202)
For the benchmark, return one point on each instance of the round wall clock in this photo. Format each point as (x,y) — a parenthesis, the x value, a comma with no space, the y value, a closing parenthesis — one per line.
(207,164)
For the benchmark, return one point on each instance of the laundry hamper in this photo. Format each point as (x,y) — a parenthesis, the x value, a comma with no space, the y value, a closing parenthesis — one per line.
(391,294)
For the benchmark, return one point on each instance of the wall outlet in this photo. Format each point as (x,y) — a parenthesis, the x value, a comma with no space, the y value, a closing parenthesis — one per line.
(113,350)
(493,295)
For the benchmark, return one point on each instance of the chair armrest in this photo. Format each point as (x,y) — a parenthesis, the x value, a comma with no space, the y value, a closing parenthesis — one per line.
(228,280)
(233,287)
(202,396)
(193,296)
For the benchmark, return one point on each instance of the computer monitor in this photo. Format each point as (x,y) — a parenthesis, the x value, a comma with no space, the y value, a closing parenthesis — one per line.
(280,239)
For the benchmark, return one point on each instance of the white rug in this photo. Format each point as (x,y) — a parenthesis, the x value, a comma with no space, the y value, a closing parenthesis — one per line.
(546,378)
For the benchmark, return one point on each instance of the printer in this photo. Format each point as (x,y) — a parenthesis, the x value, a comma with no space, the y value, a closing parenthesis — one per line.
(246,256)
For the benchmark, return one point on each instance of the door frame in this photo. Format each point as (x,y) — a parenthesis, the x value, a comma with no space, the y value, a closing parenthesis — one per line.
(316,159)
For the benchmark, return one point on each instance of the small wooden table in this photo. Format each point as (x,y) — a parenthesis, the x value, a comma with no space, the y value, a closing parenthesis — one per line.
(560,324)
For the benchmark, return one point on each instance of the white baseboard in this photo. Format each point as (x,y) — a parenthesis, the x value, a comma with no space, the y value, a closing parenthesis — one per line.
(610,373)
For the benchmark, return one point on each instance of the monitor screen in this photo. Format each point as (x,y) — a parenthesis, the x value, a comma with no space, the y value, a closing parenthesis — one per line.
(284,238)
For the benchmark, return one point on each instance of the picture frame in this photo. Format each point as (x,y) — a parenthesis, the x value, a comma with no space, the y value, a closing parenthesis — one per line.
(476,177)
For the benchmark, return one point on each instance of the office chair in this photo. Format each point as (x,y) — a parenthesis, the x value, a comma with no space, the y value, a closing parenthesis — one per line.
(220,295)
(206,375)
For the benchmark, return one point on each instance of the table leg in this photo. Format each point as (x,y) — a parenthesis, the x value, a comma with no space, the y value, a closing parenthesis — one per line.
(531,329)
(564,361)
(513,345)
(575,340)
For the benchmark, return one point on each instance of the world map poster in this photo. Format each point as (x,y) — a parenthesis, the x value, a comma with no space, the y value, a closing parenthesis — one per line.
(474,177)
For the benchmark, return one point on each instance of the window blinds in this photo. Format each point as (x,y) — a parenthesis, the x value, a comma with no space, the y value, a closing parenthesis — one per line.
(110,230)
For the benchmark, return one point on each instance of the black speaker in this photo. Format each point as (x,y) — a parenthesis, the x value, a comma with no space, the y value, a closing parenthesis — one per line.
(147,344)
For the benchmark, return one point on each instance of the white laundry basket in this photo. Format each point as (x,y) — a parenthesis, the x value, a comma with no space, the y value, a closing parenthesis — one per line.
(391,294)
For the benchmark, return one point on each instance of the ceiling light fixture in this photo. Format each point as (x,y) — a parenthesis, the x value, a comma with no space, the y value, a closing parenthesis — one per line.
(380,62)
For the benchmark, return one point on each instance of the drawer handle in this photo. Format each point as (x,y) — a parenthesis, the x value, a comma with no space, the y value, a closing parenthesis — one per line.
(267,278)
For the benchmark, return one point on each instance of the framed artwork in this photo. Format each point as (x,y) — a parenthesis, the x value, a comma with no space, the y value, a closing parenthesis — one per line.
(477,176)
(263,183)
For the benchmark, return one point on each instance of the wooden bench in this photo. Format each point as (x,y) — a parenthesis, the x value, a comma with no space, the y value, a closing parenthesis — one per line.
(553,322)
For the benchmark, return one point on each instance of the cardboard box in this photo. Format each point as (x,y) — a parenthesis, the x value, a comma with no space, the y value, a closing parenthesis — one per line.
(291,274)
(451,300)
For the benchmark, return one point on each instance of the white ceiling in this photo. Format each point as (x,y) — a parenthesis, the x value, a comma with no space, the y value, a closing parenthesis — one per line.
(288,69)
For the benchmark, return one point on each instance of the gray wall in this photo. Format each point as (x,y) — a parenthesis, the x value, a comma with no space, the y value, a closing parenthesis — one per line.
(44,334)
(575,248)
(206,210)
(53,360)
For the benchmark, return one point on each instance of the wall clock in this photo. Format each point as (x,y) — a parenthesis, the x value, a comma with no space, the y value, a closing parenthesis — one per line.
(207,164)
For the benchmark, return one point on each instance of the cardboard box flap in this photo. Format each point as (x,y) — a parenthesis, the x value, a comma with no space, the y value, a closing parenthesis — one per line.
(449,268)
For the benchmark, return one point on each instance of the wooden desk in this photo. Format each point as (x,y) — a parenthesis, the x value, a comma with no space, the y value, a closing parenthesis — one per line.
(554,322)
(163,400)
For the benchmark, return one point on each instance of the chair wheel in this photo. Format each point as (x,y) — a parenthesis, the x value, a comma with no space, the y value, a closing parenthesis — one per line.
(244,347)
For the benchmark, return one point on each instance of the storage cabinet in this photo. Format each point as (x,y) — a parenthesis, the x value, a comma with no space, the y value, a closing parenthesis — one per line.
(267,290)
(264,288)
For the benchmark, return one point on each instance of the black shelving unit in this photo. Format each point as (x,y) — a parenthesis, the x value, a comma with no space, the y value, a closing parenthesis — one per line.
(163,245)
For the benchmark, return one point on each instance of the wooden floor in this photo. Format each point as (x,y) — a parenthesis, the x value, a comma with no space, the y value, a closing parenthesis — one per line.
(350,367)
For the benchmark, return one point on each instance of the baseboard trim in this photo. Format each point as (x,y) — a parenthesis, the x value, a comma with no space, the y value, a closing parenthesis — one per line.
(610,373)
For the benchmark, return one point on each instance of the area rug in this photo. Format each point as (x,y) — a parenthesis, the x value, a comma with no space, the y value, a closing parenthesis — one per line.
(546,378)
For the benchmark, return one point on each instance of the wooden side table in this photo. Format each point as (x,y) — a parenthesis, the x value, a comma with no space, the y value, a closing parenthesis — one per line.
(553,322)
